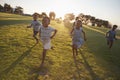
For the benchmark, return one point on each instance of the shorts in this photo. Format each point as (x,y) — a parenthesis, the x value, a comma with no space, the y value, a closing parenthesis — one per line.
(78,43)
(110,39)
(35,33)
(46,44)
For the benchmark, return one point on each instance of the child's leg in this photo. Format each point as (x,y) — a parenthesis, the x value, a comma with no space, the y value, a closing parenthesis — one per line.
(73,49)
(34,35)
(76,51)
(43,56)
(110,44)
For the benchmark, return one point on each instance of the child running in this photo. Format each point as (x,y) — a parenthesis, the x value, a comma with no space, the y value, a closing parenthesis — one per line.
(46,36)
(77,39)
(111,36)
(75,22)
(36,26)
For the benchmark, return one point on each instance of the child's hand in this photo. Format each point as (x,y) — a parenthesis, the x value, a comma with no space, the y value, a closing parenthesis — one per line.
(106,36)
(115,38)
(28,26)
(85,39)
(51,37)
(71,35)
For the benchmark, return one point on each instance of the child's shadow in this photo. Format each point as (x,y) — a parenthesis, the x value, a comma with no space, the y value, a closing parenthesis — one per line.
(88,67)
(39,73)
(77,68)
(18,60)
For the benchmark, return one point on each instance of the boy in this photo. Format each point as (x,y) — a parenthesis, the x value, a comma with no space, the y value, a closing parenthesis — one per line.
(46,36)
(111,36)
(36,26)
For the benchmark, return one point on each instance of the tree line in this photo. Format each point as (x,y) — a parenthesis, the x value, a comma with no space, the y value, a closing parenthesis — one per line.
(8,9)
(87,20)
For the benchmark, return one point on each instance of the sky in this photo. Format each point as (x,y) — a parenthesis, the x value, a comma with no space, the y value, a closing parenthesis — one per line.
(102,9)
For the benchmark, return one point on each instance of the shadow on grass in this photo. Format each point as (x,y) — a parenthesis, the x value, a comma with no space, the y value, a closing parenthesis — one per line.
(88,67)
(12,22)
(39,73)
(77,69)
(17,61)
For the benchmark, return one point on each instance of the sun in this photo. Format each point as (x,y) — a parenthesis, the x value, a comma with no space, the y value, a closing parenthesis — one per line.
(60,7)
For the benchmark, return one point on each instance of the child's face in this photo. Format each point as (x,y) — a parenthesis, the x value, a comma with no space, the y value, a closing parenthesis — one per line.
(79,23)
(114,28)
(35,17)
(45,22)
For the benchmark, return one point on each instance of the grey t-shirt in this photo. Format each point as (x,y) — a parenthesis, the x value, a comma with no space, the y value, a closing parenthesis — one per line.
(36,25)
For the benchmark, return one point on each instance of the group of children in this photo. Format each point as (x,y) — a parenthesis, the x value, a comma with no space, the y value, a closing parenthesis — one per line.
(45,34)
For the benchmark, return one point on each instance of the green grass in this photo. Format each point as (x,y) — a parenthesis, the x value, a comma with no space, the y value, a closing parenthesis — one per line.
(105,29)
(20,57)
(6,16)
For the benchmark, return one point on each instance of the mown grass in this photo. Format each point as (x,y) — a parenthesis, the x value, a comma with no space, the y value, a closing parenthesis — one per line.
(105,29)
(6,16)
(20,57)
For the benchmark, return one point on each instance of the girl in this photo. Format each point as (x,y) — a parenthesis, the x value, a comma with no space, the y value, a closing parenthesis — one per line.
(46,36)
(77,39)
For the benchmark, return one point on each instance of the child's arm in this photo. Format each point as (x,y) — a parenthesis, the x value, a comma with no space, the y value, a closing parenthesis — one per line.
(55,31)
(84,35)
(73,24)
(39,32)
(72,31)
(29,26)
(115,37)
(106,35)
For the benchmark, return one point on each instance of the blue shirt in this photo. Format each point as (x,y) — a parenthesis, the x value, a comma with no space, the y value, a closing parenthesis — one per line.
(111,34)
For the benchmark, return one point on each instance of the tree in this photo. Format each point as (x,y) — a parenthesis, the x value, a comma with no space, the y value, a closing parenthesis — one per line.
(81,15)
(106,24)
(69,16)
(44,14)
(1,8)
(52,15)
(86,19)
(18,10)
(8,8)
(99,22)
(92,20)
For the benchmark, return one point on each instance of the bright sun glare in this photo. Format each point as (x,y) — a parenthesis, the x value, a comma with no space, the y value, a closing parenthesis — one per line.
(60,7)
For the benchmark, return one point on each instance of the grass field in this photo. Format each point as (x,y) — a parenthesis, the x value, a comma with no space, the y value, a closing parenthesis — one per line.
(105,29)
(20,57)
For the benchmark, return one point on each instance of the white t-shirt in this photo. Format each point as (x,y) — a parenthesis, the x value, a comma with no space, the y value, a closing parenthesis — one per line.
(46,32)
(36,25)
